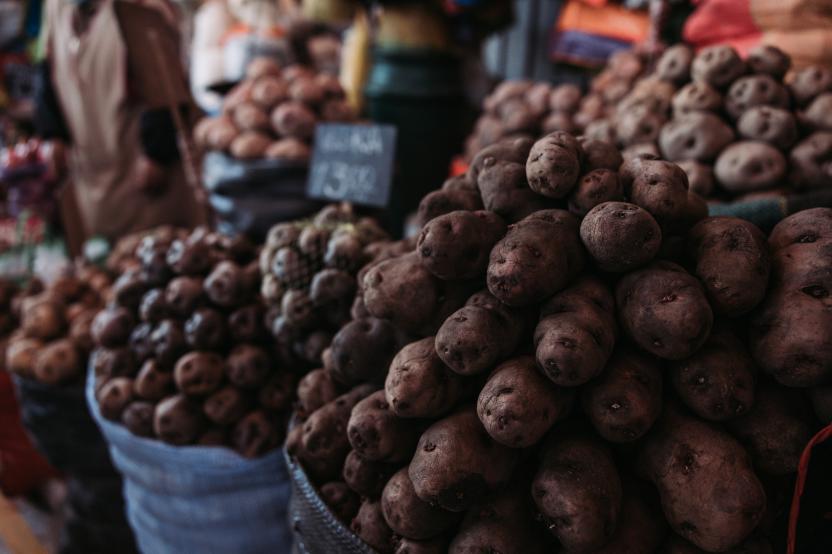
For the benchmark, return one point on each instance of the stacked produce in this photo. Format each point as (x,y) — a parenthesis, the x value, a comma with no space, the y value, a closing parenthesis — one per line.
(182,351)
(530,108)
(53,340)
(525,380)
(273,113)
(309,284)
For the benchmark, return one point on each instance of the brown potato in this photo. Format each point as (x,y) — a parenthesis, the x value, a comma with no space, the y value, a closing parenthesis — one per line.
(408,515)
(248,116)
(315,389)
(58,363)
(456,246)
(152,383)
(226,285)
(638,125)
(114,396)
(261,67)
(769,60)
(183,295)
(660,187)
(578,492)
(269,91)
(250,145)
(457,464)
(695,97)
(664,310)
(768,124)
(138,418)
(256,434)
(178,420)
(565,98)
(554,165)
(371,528)
(343,502)
(599,154)
(226,406)
(367,478)
(445,201)
(620,237)
(378,435)
(111,327)
(809,82)
(755,90)
(809,162)
(805,227)
(596,187)
(21,355)
(289,149)
(199,373)
(293,119)
(518,405)
(248,366)
(674,64)
(699,136)
(747,166)
(719,66)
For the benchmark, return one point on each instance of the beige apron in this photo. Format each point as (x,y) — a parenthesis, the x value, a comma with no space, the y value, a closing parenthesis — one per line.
(90,77)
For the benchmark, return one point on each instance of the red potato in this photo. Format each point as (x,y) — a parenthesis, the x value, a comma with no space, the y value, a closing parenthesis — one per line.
(371,528)
(620,237)
(480,334)
(554,165)
(805,227)
(367,478)
(456,246)
(709,492)
(456,464)
(659,187)
(578,492)
(408,515)
(594,188)
(315,389)
(664,311)
(377,434)
(576,333)
(518,405)
(626,400)
(420,385)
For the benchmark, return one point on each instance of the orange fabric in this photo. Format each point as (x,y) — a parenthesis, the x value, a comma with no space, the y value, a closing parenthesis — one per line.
(606,20)
(243,29)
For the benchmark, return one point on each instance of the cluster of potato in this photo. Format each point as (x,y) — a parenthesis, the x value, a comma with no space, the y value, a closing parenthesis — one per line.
(309,270)
(735,126)
(589,364)
(183,353)
(527,108)
(273,113)
(52,339)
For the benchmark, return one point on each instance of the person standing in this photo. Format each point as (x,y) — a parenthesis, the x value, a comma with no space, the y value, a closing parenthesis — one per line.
(121,157)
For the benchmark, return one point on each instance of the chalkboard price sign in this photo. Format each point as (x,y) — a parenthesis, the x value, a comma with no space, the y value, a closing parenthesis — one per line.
(352,163)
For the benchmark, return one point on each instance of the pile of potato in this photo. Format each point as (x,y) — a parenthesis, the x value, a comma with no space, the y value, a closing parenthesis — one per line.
(737,127)
(589,364)
(528,108)
(273,112)
(182,352)
(53,339)
(309,284)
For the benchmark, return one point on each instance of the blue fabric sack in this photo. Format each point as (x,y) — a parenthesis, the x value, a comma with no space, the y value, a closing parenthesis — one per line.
(196,499)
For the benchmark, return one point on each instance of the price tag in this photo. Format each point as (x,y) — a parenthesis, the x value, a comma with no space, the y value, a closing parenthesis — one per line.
(352,163)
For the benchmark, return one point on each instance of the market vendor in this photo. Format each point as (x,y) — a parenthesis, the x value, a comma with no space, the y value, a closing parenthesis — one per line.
(122,158)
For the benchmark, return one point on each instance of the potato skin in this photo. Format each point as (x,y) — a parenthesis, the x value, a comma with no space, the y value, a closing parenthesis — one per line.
(626,400)
(804,227)
(640,528)
(747,166)
(342,500)
(718,381)
(554,164)
(419,384)
(576,333)
(456,246)
(365,477)
(620,236)
(377,434)
(315,389)
(518,405)
(436,545)
(732,262)
(537,257)
(664,310)
(480,334)
(709,492)
(578,492)
(775,430)
(457,464)
(445,201)
(362,351)
(408,515)
(659,187)
(593,188)
(371,528)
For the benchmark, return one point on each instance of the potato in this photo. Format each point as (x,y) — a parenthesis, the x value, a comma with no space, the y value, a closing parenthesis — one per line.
(293,119)
(307,90)
(189,257)
(226,406)
(256,434)
(199,373)
(248,116)
(599,130)
(620,237)
(456,246)
(769,60)
(599,154)
(315,389)
(129,288)
(805,227)
(505,191)
(576,333)
(638,125)
(809,82)
(362,351)
(518,405)
(640,529)
(111,327)
(342,501)
(595,187)
(480,334)
(809,162)
(457,464)
(776,430)
(565,98)
(114,396)
(289,149)
(247,324)
(248,366)
(559,121)
(700,177)
(371,528)
(154,307)
(659,187)
(436,545)
(116,362)
(732,262)
(419,384)
(21,355)
(718,381)
(250,145)
(323,441)
(577,491)
(554,165)
(626,400)
(748,166)
(183,295)
(719,66)
(338,110)
(699,136)
(755,90)
(695,97)
(674,64)
(269,91)
(152,383)
(537,257)
(261,67)
(408,515)
(664,310)
(768,124)
(504,523)
(58,363)
(206,330)
(365,477)
(226,286)
(378,435)
(138,418)
(445,201)
(220,133)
